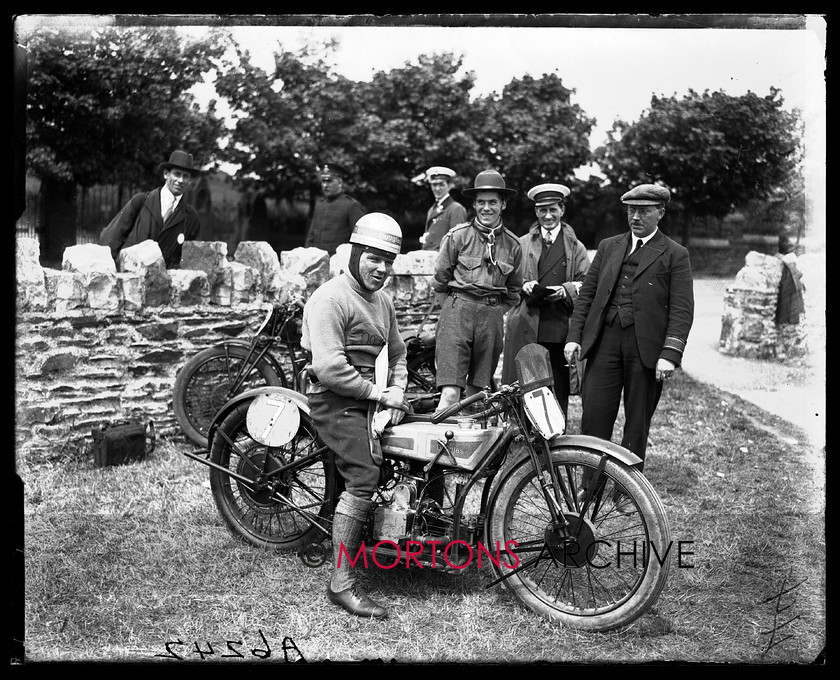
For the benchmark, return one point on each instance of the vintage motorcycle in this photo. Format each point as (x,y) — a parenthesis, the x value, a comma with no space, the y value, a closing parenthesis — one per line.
(565,522)
(210,378)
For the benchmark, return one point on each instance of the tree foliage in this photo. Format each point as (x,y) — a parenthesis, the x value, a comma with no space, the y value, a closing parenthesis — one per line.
(534,134)
(712,150)
(108,104)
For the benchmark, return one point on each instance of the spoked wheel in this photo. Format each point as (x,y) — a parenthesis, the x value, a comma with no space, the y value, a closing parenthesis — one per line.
(209,380)
(603,570)
(421,391)
(271,490)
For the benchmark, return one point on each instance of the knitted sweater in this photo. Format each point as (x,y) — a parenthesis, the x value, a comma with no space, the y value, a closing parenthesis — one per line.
(345,328)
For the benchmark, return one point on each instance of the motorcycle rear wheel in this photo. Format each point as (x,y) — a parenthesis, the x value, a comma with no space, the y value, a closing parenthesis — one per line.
(249,509)
(606,577)
(205,384)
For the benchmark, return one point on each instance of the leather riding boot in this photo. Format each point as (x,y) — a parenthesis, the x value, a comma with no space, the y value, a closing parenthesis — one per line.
(348,529)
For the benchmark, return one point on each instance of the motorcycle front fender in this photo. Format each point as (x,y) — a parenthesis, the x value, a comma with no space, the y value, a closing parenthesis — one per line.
(299,399)
(583,441)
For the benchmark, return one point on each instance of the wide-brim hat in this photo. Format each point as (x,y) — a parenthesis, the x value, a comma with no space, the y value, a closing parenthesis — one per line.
(647,194)
(546,194)
(181,160)
(489,180)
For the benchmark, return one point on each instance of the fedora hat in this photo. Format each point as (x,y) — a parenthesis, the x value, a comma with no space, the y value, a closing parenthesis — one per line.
(181,160)
(489,180)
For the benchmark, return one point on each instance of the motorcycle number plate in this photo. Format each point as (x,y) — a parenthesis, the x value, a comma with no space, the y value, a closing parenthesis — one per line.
(544,412)
(273,419)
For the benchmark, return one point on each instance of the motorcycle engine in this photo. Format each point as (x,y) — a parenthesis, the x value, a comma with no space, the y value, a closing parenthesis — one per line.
(406,513)
(393,517)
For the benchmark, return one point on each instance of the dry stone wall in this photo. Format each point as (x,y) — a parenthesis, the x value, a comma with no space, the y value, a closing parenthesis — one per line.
(99,341)
(750,326)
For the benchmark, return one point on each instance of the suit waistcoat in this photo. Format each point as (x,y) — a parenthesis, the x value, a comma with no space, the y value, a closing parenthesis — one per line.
(551,271)
(622,298)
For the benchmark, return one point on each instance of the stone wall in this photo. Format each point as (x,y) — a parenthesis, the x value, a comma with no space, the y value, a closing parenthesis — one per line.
(98,340)
(750,326)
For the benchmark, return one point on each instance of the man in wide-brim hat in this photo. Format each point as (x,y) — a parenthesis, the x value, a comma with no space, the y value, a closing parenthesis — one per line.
(554,264)
(477,279)
(162,214)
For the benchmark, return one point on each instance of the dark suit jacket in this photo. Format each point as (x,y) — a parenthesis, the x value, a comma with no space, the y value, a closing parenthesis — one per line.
(440,220)
(663,298)
(140,220)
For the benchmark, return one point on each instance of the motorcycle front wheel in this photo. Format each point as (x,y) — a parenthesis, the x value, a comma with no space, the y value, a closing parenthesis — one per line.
(607,566)
(271,490)
(209,380)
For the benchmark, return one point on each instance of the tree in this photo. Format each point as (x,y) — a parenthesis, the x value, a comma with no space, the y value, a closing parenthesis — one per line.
(712,150)
(533,134)
(386,131)
(107,105)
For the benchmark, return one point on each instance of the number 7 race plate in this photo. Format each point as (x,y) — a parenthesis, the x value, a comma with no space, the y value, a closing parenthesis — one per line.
(273,419)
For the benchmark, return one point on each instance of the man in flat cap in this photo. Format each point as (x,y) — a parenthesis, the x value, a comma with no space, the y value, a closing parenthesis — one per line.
(446,212)
(554,264)
(631,321)
(161,214)
(477,279)
(335,212)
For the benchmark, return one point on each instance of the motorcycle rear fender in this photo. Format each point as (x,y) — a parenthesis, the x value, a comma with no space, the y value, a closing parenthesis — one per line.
(268,356)
(299,399)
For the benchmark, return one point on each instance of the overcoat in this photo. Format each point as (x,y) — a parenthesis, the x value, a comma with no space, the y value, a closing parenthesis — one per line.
(332,223)
(523,322)
(140,220)
(662,292)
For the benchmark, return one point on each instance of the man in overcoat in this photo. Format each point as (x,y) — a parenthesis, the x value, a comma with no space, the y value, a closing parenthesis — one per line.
(446,211)
(554,264)
(335,212)
(161,214)
(631,321)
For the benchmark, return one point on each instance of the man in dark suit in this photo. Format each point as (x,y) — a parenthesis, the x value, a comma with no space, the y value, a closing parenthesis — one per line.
(335,212)
(631,321)
(161,215)
(446,212)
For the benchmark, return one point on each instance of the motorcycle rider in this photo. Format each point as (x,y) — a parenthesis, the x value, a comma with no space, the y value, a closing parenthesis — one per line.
(347,322)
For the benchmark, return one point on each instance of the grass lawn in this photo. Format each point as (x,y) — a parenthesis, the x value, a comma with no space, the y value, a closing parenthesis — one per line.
(131,563)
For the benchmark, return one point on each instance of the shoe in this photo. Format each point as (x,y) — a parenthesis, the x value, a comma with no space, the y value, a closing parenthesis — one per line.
(355,601)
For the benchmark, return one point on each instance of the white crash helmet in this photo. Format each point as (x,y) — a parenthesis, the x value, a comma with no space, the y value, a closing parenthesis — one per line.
(378,231)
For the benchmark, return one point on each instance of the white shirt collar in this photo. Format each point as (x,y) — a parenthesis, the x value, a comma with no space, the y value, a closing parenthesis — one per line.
(167,198)
(554,233)
(645,239)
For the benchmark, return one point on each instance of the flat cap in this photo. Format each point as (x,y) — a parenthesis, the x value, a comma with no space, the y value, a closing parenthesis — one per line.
(331,170)
(439,171)
(546,194)
(646,194)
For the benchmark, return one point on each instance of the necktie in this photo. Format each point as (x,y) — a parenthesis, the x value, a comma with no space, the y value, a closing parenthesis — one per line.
(548,238)
(638,245)
(169,212)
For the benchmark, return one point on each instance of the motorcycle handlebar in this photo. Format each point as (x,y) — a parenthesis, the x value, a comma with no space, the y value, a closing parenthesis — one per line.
(452,410)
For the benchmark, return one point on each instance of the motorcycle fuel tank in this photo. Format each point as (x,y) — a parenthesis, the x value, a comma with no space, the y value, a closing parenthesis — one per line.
(422,441)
